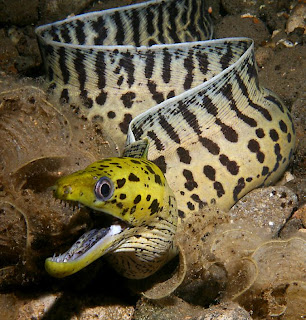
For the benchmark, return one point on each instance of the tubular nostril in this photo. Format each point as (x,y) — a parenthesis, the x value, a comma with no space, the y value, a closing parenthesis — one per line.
(67,189)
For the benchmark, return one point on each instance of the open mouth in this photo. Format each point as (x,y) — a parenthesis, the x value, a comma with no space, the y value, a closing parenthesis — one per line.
(90,246)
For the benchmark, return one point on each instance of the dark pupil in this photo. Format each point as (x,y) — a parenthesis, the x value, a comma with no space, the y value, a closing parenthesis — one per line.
(105,189)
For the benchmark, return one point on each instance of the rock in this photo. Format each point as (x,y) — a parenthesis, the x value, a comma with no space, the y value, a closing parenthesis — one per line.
(19,12)
(296,225)
(297,18)
(19,50)
(8,54)
(225,311)
(177,309)
(274,13)
(239,26)
(301,215)
(267,208)
(54,306)
(233,7)
(60,9)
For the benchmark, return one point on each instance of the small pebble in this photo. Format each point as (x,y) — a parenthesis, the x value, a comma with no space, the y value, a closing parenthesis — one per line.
(297,18)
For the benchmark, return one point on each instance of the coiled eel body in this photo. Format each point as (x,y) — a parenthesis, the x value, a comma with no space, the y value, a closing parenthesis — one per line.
(146,72)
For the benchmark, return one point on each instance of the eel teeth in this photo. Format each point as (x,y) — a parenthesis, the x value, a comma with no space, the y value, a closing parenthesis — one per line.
(87,241)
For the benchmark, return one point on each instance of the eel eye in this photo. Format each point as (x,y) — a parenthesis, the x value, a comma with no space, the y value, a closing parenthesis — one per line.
(104,189)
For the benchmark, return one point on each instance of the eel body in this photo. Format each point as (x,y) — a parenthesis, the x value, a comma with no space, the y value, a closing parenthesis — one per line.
(146,71)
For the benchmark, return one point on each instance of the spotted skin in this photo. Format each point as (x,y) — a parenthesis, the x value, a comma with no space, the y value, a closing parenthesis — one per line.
(145,72)
(216,144)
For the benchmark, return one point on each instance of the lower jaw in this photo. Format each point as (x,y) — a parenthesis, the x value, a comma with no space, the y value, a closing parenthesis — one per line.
(89,247)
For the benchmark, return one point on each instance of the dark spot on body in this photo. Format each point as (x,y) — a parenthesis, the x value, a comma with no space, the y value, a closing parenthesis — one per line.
(231,166)
(219,188)
(238,188)
(190,206)
(274,135)
(161,163)
(289,137)
(190,184)
(171,94)
(197,199)
(125,211)
(265,171)
(149,168)
(124,125)
(157,96)
(101,98)
(133,209)
(157,179)
(121,182)
(122,196)
(120,81)
(277,152)
(229,133)
(119,205)
(211,146)
(260,157)
(181,214)
(127,99)
(283,126)
(135,161)
(133,177)
(111,114)
(210,172)
(254,147)
(137,199)
(148,197)
(260,133)
(154,207)
(183,155)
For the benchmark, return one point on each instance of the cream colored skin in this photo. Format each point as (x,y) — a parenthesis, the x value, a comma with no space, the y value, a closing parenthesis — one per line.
(214,131)
(136,193)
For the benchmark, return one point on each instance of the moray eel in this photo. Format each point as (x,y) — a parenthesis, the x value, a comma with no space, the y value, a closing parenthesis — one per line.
(136,194)
(145,72)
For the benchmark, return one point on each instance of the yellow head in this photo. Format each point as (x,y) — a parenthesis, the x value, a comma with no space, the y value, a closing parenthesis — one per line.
(127,188)
(133,190)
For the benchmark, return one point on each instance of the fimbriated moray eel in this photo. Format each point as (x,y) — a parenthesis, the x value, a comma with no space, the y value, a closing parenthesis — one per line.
(146,72)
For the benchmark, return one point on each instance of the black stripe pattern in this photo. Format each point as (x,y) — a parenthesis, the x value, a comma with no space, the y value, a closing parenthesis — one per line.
(215,137)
